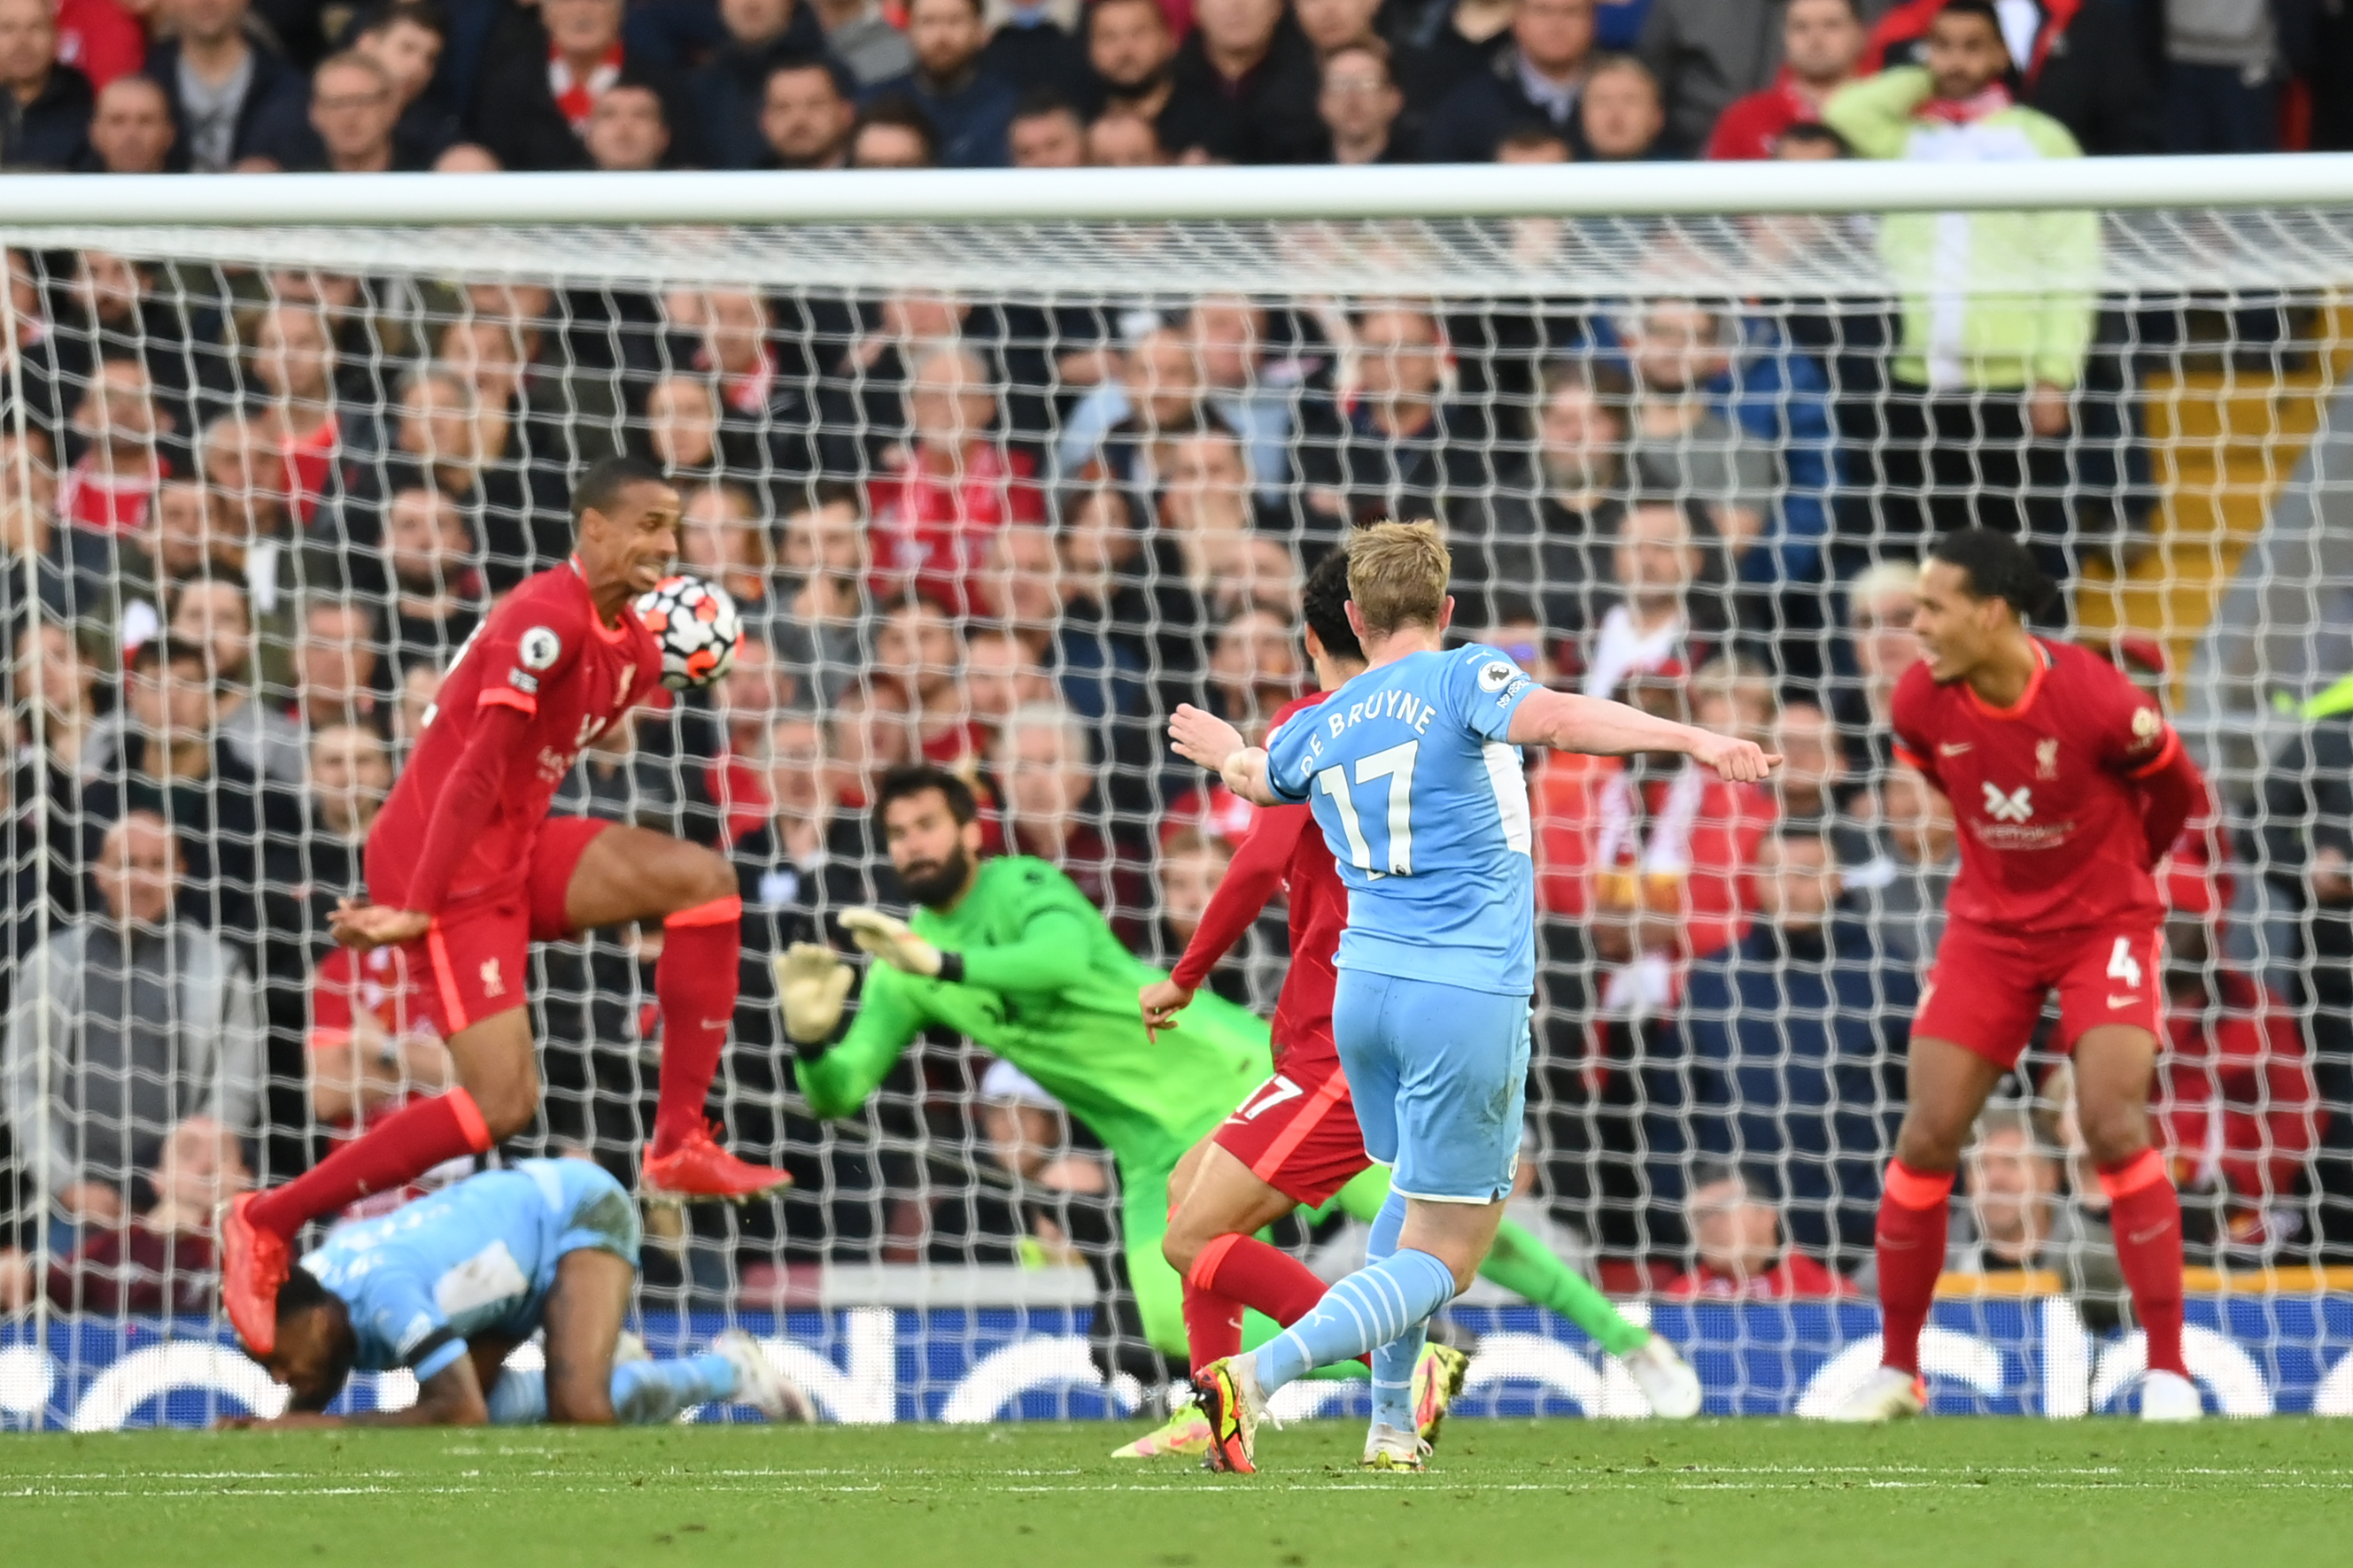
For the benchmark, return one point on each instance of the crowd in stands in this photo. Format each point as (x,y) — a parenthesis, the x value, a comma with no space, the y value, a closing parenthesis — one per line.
(247,519)
(171,86)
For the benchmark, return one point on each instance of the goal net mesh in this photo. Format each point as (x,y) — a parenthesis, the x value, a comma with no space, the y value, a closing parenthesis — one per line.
(1001,496)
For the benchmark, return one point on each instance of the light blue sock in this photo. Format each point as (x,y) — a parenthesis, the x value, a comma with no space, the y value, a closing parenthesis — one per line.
(645,1392)
(1363,1312)
(1393,1362)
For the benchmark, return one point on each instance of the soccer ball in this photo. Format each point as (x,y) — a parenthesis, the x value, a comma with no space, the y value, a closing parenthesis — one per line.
(698,627)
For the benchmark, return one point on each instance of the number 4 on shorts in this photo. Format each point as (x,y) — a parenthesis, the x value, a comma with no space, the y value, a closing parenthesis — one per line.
(2123,965)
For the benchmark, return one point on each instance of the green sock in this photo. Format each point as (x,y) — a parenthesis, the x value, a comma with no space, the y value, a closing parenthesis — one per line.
(1520,1264)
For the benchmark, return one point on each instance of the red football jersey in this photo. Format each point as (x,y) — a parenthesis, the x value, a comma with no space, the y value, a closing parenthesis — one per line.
(2050,822)
(1284,849)
(544,651)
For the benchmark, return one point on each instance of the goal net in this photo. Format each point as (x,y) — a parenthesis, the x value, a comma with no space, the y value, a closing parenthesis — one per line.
(1000,495)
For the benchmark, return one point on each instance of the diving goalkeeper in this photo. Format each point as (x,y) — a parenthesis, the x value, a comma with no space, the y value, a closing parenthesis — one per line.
(1009,952)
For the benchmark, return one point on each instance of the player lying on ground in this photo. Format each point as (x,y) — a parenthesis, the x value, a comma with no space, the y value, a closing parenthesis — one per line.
(1295,1141)
(1010,954)
(466,870)
(2068,786)
(448,1286)
(1414,774)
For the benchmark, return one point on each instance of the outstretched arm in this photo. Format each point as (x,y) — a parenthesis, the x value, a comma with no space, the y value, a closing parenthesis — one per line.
(1596,727)
(1249,883)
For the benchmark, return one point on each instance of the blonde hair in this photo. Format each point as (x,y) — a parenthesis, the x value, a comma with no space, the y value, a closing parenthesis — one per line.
(1398,573)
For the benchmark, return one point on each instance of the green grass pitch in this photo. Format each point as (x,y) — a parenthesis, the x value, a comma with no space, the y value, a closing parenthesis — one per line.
(1721,1494)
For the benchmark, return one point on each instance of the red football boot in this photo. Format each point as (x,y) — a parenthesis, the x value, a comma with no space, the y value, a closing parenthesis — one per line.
(699,1170)
(253,1264)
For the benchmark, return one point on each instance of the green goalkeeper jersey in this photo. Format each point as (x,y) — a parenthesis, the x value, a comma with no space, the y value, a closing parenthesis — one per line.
(1048,988)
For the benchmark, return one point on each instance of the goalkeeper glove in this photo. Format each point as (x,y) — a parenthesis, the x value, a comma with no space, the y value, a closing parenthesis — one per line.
(888,939)
(812,984)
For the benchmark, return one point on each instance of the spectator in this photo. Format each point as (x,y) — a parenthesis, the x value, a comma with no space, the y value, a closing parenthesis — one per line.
(1002,675)
(1619,112)
(806,118)
(64,686)
(76,570)
(954,482)
(533,106)
(28,368)
(969,105)
(161,1264)
(2223,77)
(1452,41)
(408,38)
(1116,140)
(1822,44)
(1982,392)
(145,1022)
(1812,778)
(1132,52)
(210,612)
(1193,864)
(2236,1101)
(467,448)
(864,40)
(1243,88)
(420,683)
(627,131)
(1879,641)
(114,310)
(1900,890)
(354,108)
(823,570)
(1409,450)
(1045,133)
(1058,618)
(1156,394)
(308,873)
(891,131)
(44,103)
(805,859)
(721,540)
(1739,1252)
(735,87)
(1545,534)
(1359,104)
(337,666)
(2098,68)
(1535,80)
(1331,26)
(1046,772)
(437,591)
(1254,670)
(1729,415)
(294,364)
(2017,1217)
(1668,616)
(226,88)
(1031,51)
(131,130)
(1795,1034)
(1705,55)
(1210,558)
(110,486)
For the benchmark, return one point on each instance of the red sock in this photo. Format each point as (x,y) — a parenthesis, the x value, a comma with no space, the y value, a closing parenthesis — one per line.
(1213,1326)
(694,980)
(1247,1271)
(1910,1244)
(387,1156)
(2145,1216)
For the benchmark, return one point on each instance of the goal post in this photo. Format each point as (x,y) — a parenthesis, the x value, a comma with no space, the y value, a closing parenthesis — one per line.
(1003,465)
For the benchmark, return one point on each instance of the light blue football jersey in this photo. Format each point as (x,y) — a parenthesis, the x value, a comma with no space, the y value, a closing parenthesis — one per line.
(1426,809)
(477,1257)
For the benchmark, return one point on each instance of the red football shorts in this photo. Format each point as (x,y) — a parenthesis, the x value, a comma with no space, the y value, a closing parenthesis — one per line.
(1301,1141)
(476,958)
(1987,989)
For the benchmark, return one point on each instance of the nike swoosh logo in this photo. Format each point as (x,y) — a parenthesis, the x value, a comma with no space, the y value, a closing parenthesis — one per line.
(1954,748)
(2142,1237)
(2122,1001)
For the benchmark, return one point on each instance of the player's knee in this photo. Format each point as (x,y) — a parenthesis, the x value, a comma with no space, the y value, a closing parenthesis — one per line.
(2114,1133)
(1928,1147)
(508,1105)
(1182,1251)
(701,876)
(1465,1270)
